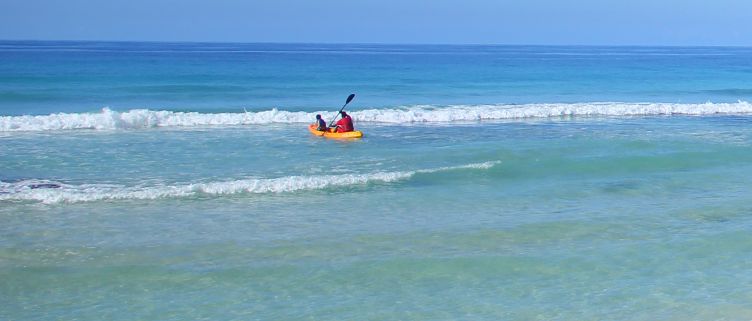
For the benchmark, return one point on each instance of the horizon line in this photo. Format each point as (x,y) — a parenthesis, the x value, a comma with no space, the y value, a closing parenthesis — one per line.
(376,43)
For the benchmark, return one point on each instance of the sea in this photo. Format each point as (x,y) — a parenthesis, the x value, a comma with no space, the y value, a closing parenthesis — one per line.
(178,181)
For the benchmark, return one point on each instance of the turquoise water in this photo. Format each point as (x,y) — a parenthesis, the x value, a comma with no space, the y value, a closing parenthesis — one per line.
(513,183)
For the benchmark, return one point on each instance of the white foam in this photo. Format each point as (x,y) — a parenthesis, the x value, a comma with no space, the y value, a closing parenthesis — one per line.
(497,112)
(143,118)
(65,193)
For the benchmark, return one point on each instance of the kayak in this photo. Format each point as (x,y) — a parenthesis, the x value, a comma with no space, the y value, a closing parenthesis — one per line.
(327,134)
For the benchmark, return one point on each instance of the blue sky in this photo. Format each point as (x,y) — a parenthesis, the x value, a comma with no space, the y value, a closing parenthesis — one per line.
(604,22)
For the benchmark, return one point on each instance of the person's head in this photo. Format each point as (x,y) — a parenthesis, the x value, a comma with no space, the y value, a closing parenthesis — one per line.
(343,113)
(318,116)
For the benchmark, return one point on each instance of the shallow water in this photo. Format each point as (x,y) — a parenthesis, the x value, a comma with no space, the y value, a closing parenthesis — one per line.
(625,213)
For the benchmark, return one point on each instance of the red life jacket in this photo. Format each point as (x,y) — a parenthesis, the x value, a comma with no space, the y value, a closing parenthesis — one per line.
(345,125)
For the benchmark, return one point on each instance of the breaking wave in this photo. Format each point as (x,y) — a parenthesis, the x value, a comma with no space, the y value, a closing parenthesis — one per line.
(51,192)
(143,118)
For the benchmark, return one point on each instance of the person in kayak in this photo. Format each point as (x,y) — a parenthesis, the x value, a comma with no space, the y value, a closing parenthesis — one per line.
(320,123)
(345,124)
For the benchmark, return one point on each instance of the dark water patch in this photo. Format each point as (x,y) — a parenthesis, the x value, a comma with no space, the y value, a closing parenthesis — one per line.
(730,91)
(44,185)
(718,214)
(27,96)
(556,164)
(193,88)
(621,187)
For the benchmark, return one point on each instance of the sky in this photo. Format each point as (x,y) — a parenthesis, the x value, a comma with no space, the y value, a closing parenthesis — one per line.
(535,22)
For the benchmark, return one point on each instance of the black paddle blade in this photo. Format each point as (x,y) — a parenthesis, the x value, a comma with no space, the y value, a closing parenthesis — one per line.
(349,98)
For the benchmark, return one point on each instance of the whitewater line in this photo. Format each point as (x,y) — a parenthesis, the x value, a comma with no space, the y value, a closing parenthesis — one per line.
(55,192)
(144,118)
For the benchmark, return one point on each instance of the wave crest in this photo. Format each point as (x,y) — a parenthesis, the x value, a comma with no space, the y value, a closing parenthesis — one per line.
(143,118)
(50,192)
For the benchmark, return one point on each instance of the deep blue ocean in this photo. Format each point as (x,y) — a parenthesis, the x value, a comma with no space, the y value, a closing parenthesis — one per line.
(178,181)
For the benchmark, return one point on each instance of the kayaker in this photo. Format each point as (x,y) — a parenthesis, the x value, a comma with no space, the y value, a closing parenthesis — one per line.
(321,123)
(345,124)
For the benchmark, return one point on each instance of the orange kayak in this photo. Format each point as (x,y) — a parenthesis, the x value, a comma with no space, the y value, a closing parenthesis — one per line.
(328,134)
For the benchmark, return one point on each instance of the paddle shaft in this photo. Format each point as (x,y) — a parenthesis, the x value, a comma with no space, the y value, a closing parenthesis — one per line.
(349,99)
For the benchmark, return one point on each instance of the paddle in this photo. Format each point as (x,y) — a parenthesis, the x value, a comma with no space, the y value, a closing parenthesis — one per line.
(349,99)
